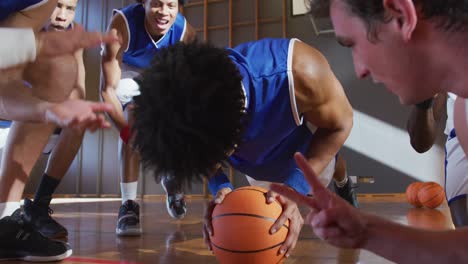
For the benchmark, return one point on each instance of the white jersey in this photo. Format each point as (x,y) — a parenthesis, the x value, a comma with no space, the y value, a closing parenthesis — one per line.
(450,103)
(456,164)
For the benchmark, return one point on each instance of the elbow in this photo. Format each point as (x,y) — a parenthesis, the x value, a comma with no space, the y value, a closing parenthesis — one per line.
(419,146)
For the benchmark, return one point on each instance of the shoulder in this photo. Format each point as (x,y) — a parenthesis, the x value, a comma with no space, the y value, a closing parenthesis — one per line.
(307,60)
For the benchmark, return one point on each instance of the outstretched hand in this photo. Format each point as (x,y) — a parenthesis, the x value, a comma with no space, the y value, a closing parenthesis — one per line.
(332,218)
(78,114)
(57,43)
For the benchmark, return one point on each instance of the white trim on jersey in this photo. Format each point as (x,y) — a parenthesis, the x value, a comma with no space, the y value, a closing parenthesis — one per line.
(35,5)
(183,32)
(246,100)
(155,43)
(292,97)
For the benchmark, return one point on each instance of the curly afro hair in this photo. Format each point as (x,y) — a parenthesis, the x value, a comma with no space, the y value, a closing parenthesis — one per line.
(189,114)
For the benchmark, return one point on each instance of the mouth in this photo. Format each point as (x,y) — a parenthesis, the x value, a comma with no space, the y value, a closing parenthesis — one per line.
(161,23)
(58,27)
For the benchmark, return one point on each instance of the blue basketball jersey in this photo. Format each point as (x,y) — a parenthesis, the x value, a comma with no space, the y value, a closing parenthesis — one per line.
(274,128)
(8,7)
(141,47)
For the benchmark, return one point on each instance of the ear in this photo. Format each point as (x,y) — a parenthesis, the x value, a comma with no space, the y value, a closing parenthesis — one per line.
(405,14)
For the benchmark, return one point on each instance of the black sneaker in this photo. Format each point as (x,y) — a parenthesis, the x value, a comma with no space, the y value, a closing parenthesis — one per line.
(38,214)
(347,193)
(128,223)
(175,199)
(20,241)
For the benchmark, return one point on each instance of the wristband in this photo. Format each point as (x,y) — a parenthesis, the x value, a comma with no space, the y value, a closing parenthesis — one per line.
(125,134)
(18,46)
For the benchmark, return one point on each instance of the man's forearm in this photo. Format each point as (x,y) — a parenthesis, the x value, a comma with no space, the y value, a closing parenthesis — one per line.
(17,103)
(324,147)
(421,128)
(404,244)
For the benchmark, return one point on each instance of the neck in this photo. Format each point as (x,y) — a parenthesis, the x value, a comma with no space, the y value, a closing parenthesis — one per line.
(149,29)
(453,61)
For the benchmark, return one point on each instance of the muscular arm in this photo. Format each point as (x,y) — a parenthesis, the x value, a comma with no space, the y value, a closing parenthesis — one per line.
(190,34)
(323,103)
(111,61)
(422,123)
(33,18)
(79,91)
(18,103)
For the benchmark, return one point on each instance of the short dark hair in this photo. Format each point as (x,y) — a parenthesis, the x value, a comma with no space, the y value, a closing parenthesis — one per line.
(189,114)
(450,15)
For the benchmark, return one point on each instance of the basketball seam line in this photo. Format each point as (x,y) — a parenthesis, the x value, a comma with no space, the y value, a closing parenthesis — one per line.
(435,196)
(252,189)
(251,215)
(246,251)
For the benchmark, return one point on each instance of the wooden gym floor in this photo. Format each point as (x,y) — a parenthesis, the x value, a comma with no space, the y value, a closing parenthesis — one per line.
(91,224)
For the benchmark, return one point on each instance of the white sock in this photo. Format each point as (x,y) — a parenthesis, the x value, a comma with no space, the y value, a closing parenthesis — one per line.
(129,190)
(7,209)
(342,183)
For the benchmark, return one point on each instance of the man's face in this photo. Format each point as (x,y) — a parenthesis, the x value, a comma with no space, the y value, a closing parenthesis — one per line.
(160,15)
(63,15)
(400,65)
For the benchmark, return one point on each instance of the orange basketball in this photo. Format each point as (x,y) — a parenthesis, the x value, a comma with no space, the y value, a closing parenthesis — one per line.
(241,228)
(412,194)
(431,194)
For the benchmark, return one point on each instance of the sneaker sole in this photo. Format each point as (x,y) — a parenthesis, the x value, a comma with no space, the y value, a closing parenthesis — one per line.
(129,232)
(63,256)
(168,208)
(62,236)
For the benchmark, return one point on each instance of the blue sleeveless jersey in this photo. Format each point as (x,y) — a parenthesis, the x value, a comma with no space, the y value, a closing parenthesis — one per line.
(274,129)
(8,7)
(141,47)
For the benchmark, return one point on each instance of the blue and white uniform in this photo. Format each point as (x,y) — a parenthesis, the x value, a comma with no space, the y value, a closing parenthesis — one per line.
(141,47)
(8,7)
(456,164)
(274,128)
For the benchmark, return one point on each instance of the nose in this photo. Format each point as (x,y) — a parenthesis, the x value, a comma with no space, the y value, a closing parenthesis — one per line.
(62,16)
(163,10)
(361,70)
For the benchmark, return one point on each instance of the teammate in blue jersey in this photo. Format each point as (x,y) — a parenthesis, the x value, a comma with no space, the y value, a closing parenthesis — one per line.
(144,27)
(253,106)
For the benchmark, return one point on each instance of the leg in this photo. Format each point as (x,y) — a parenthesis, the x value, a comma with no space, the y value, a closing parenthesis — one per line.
(175,199)
(343,186)
(25,144)
(458,210)
(60,159)
(128,223)
(456,181)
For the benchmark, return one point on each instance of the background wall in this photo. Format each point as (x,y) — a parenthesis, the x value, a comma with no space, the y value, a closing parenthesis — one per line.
(378,146)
